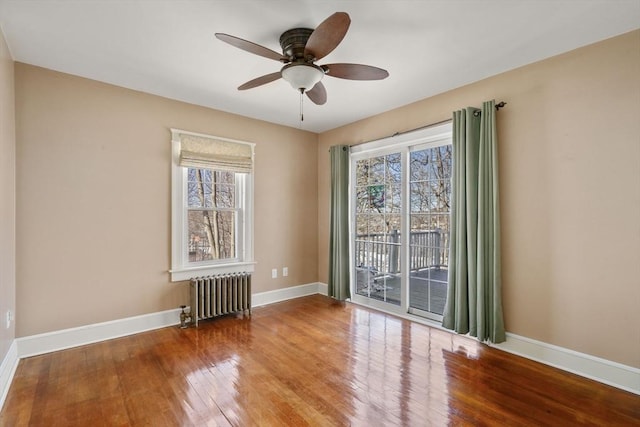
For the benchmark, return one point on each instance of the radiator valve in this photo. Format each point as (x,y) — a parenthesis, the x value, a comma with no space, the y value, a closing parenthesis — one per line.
(185,318)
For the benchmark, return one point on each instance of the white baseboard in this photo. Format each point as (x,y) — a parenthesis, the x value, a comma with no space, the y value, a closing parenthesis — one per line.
(595,368)
(323,288)
(74,337)
(7,370)
(278,295)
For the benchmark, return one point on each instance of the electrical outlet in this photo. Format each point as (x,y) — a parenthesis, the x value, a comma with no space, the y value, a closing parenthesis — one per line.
(9,318)
(274,273)
(285,271)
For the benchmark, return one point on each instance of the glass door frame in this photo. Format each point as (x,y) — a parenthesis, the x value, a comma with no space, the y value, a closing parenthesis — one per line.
(414,310)
(428,137)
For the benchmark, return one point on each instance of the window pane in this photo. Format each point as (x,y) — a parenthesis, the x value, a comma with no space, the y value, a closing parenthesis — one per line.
(211,235)
(207,188)
(225,196)
(419,165)
(376,251)
(420,222)
(428,290)
(365,279)
(390,258)
(441,222)
(362,252)
(376,170)
(362,172)
(389,289)
(377,225)
(382,287)
(362,200)
(376,197)
(195,187)
(225,177)
(393,199)
(441,191)
(193,195)
(394,169)
(362,225)
(420,196)
(443,161)
(198,187)
(393,224)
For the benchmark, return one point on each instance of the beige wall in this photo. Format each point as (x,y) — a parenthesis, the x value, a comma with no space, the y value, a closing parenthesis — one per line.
(93,199)
(7,198)
(569,157)
(93,202)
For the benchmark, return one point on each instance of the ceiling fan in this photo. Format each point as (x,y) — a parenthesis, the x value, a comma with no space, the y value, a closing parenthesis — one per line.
(301,48)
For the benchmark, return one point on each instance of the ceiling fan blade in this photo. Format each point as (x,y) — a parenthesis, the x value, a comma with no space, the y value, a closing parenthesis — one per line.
(355,72)
(251,47)
(259,81)
(328,35)
(318,94)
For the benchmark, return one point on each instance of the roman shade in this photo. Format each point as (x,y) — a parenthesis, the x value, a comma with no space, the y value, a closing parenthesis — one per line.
(203,151)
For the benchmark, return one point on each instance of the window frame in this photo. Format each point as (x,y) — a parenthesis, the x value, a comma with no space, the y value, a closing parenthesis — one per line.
(237,211)
(181,268)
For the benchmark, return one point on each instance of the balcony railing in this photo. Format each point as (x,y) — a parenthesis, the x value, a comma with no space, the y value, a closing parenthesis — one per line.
(380,252)
(378,260)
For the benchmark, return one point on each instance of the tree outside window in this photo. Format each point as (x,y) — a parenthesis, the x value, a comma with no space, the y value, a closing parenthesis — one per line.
(212,212)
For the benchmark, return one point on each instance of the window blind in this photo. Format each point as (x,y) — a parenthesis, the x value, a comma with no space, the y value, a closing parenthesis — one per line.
(203,151)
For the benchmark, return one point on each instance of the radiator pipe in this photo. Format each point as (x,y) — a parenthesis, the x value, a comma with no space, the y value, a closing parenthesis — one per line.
(185,318)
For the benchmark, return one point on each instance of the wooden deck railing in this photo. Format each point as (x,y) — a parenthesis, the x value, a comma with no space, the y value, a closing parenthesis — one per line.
(380,252)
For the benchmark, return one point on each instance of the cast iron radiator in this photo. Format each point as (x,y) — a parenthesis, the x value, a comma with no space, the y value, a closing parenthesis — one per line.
(213,296)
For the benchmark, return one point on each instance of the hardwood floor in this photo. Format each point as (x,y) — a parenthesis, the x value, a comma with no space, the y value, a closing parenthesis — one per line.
(308,361)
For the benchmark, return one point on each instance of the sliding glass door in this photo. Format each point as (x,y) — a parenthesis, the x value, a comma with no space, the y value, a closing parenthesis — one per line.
(377,245)
(400,198)
(430,199)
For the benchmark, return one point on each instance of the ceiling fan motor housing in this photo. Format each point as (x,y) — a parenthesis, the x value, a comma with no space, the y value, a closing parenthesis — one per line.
(293,42)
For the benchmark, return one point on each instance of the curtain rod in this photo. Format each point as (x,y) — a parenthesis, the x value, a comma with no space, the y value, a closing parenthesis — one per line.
(499,105)
(419,128)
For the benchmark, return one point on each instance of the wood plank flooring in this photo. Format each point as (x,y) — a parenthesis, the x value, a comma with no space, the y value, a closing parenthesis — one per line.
(304,362)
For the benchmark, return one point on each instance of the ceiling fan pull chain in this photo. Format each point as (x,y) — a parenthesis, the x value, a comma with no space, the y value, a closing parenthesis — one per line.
(301,105)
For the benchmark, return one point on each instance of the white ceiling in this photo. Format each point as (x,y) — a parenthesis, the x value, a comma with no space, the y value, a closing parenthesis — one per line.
(168,48)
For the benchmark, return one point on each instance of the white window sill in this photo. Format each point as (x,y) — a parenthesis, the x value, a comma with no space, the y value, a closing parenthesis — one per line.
(181,274)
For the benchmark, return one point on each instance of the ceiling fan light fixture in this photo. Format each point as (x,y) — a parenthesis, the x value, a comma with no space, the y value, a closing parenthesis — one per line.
(302,76)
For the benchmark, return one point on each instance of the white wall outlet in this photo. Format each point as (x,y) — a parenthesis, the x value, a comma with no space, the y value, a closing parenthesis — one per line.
(285,271)
(9,319)
(274,273)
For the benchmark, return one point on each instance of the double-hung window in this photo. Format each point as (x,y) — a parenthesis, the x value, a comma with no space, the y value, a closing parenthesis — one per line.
(212,200)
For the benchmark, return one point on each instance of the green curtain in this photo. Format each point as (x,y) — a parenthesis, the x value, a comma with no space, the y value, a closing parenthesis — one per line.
(474,302)
(339,228)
